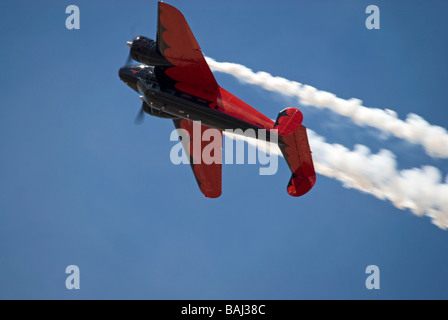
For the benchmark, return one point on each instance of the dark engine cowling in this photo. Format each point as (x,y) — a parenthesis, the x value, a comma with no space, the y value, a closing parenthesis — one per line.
(145,50)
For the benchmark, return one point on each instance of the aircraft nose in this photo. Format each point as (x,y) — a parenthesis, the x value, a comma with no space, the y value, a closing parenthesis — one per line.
(129,77)
(124,73)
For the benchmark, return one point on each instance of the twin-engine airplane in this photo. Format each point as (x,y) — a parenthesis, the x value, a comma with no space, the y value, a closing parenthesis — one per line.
(175,82)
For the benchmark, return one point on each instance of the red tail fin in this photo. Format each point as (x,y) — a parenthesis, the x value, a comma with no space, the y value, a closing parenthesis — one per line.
(293,142)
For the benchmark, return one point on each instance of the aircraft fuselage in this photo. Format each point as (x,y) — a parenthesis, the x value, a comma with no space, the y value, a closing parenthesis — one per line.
(168,102)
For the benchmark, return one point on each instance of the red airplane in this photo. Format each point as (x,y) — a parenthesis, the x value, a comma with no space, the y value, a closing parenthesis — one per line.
(175,82)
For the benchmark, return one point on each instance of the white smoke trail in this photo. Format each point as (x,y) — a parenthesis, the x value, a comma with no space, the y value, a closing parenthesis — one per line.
(418,189)
(414,129)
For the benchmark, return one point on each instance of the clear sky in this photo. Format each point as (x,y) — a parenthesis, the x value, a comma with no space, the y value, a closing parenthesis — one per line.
(82,185)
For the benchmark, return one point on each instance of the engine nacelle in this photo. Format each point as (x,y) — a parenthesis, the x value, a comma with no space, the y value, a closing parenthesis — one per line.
(145,50)
(156,113)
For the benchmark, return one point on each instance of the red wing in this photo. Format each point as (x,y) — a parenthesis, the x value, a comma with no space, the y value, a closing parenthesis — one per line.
(207,173)
(179,46)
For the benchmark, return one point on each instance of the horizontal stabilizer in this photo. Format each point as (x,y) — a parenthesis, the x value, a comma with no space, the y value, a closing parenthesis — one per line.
(293,142)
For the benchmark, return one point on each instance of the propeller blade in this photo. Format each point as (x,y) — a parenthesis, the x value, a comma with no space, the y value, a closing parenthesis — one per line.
(128,60)
(140,117)
(133,32)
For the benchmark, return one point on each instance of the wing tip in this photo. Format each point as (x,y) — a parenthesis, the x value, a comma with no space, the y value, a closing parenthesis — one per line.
(288,121)
(164,5)
(213,195)
(299,186)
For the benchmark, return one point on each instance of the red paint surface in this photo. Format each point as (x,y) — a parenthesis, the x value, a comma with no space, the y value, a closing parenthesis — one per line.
(297,153)
(209,176)
(235,107)
(193,76)
(182,50)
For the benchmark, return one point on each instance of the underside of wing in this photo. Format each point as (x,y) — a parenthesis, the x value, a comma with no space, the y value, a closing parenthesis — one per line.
(177,43)
(205,156)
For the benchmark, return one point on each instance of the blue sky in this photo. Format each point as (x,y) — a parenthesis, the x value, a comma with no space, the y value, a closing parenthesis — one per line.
(81,184)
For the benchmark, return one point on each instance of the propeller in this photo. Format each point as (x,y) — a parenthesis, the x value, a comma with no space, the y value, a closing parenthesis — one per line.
(129,61)
(129,58)
(140,117)
(141,114)
(132,33)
